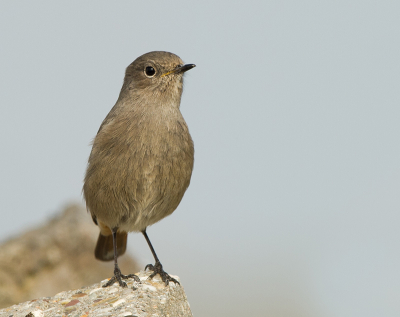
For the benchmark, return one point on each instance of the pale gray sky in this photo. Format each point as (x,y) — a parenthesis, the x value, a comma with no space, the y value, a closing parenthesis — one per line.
(294,108)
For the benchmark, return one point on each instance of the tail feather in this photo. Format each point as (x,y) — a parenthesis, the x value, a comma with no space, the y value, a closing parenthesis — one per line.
(104,250)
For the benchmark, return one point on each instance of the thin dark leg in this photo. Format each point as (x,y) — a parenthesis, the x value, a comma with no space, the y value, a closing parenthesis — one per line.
(118,276)
(150,245)
(157,267)
(114,235)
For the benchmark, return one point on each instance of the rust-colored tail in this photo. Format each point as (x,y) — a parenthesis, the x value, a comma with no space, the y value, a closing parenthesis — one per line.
(104,250)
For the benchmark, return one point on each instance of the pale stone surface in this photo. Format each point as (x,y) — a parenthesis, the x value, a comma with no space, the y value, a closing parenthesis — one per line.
(147,298)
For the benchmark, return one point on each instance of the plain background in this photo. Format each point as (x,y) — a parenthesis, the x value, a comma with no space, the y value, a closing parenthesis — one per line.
(293,209)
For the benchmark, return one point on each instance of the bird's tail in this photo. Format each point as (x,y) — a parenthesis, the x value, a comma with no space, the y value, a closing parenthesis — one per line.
(104,250)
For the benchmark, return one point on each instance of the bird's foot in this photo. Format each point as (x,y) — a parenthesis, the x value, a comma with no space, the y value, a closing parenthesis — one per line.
(118,276)
(158,269)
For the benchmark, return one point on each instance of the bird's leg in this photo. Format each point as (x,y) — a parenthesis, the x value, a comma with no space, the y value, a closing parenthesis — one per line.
(118,276)
(157,267)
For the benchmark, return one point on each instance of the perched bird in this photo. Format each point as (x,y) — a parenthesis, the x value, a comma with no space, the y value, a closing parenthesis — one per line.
(142,158)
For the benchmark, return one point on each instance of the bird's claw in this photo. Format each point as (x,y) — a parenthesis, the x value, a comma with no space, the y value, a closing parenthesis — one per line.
(158,269)
(118,276)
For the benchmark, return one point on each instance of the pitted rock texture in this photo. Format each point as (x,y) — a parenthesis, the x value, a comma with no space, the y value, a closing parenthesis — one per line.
(147,298)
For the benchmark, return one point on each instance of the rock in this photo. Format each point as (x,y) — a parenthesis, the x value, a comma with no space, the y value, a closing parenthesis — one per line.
(55,257)
(147,298)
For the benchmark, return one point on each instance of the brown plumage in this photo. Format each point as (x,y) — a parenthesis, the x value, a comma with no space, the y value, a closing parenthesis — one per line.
(104,250)
(142,157)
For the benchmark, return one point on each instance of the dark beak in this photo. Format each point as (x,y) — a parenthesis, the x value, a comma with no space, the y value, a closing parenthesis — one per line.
(185,68)
(180,69)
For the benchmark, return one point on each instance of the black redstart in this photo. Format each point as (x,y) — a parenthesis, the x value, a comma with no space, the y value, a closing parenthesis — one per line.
(142,158)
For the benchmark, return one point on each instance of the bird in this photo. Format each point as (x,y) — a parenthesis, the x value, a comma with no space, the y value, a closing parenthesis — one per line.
(141,160)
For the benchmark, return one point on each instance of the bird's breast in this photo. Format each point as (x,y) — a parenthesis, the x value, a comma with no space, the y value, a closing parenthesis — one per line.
(139,171)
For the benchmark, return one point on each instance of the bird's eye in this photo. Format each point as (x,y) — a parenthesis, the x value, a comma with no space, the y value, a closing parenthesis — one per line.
(149,71)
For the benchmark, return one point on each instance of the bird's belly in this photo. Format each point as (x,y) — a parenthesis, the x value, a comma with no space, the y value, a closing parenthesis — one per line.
(141,187)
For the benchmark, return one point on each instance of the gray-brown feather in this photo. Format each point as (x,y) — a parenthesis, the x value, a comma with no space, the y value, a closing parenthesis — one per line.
(142,157)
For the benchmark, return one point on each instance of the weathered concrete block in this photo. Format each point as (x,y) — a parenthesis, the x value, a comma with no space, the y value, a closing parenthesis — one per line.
(148,298)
